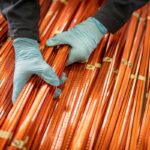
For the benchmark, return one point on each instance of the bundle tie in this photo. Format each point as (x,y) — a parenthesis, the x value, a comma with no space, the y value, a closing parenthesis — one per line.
(107,59)
(98,65)
(115,71)
(139,77)
(50,12)
(142,19)
(133,76)
(130,64)
(64,1)
(147,95)
(125,62)
(142,78)
(5,134)
(136,14)
(92,67)
(20,143)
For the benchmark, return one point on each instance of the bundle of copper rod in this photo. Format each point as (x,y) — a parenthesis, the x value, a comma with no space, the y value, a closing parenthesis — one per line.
(3,28)
(105,102)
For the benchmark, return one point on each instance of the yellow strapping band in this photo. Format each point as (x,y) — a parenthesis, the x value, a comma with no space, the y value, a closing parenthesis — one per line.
(49,13)
(125,62)
(98,65)
(63,1)
(5,134)
(133,76)
(142,19)
(20,143)
(147,95)
(142,78)
(139,77)
(130,64)
(90,67)
(136,14)
(107,59)
(115,71)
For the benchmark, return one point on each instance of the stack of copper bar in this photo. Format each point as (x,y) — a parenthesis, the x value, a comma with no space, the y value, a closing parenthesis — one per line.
(105,103)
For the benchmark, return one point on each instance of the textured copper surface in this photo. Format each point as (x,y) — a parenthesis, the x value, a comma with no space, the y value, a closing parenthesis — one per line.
(105,103)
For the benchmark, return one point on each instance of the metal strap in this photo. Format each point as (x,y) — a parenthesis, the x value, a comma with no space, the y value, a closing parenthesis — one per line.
(5,134)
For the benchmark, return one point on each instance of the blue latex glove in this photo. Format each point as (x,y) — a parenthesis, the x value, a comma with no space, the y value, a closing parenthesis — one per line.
(29,61)
(62,81)
(83,39)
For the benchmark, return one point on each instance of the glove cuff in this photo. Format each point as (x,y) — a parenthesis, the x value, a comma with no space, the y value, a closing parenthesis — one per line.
(99,25)
(25,39)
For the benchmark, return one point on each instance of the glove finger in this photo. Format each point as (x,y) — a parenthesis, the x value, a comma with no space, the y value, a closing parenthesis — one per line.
(61,38)
(63,78)
(75,56)
(57,93)
(18,85)
(49,76)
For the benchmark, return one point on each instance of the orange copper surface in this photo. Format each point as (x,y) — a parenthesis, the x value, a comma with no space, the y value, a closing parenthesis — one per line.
(105,102)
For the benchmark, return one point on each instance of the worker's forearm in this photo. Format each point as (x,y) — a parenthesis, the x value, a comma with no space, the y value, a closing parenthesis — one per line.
(115,13)
(22,17)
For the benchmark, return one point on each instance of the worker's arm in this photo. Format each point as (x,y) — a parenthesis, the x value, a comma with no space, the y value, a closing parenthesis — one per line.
(115,13)
(22,17)
(84,37)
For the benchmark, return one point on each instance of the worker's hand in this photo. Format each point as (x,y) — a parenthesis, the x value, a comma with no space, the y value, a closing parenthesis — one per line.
(29,61)
(62,81)
(83,39)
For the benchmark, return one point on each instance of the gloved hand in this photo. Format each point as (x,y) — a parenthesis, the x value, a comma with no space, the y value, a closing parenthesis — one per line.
(83,39)
(29,61)
(62,81)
